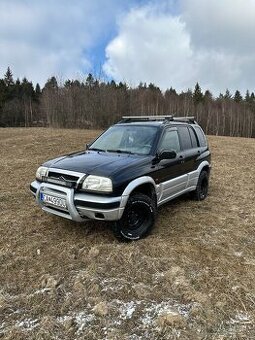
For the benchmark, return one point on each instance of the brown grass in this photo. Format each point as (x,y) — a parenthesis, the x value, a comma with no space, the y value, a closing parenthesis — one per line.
(192,278)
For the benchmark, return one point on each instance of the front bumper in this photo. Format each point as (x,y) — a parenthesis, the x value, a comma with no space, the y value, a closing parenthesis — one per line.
(80,206)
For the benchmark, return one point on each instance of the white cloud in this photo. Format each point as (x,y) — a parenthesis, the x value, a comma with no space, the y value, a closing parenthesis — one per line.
(222,25)
(148,48)
(45,37)
(207,41)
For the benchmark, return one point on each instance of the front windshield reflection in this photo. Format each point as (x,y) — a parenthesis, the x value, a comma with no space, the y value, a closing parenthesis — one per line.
(126,139)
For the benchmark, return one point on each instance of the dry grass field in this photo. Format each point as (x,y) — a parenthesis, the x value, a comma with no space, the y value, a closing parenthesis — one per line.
(192,278)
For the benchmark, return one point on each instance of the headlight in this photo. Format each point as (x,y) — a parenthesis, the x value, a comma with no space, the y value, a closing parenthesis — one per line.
(41,171)
(97,183)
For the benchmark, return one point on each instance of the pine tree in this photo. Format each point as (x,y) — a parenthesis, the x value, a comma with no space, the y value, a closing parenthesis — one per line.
(68,83)
(227,95)
(37,93)
(172,91)
(208,95)
(90,80)
(252,97)
(37,89)
(113,84)
(51,83)
(8,77)
(247,96)
(197,94)
(238,97)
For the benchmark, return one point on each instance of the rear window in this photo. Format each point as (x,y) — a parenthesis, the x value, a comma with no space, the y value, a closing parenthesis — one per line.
(193,137)
(201,136)
(185,137)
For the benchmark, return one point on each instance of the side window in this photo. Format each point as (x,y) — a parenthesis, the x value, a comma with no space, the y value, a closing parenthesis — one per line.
(201,136)
(193,138)
(185,137)
(170,141)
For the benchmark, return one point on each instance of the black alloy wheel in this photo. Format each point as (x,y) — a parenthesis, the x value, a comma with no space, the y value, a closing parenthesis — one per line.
(137,220)
(201,191)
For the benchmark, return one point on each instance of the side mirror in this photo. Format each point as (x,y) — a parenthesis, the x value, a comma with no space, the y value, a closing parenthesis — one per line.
(87,145)
(167,154)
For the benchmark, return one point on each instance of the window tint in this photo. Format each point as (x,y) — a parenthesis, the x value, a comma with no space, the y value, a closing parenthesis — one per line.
(201,136)
(193,138)
(170,141)
(185,137)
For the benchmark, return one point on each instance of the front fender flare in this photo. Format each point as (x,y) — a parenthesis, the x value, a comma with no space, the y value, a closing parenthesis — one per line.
(131,186)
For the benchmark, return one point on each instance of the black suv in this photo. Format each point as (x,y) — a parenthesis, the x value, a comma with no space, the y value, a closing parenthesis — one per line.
(126,173)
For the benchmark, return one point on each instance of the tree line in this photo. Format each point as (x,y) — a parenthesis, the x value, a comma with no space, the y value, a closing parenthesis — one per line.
(93,103)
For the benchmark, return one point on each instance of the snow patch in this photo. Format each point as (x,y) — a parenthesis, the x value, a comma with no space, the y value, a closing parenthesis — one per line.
(238,253)
(27,324)
(157,309)
(81,319)
(241,318)
(40,291)
(127,309)
(112,284)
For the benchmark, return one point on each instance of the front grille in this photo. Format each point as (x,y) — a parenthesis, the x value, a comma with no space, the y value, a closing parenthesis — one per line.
(63,179)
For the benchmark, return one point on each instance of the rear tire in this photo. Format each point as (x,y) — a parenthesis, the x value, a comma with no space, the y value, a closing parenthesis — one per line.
(202,187)
(137,220)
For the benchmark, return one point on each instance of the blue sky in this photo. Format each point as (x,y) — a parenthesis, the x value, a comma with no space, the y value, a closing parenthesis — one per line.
(168,42)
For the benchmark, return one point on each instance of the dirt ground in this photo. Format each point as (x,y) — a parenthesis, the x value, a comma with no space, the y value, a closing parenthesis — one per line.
(192,278)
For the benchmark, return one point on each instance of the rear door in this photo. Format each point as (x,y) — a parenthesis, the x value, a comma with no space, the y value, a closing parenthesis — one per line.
(189,146)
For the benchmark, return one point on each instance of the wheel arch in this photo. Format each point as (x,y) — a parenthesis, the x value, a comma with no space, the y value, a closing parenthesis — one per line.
(204,166)
(144,185)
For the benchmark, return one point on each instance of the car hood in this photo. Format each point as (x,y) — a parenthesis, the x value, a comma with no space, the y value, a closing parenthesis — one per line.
(96,163)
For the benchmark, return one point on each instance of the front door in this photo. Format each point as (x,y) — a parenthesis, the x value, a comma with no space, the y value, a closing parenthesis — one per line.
(170,173)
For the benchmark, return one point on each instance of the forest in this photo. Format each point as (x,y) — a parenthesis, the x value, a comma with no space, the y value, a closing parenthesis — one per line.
(96,103)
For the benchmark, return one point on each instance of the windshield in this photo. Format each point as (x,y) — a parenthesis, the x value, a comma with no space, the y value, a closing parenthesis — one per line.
(126,139)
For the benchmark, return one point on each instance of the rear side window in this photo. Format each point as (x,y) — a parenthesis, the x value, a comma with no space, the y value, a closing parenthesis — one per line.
(193,138)
(201,136)
(185,137)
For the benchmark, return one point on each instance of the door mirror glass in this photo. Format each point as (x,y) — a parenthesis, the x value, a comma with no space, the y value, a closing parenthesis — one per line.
(167,154)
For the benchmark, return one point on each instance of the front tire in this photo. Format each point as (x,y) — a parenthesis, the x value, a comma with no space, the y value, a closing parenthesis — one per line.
(137,220)
(202,187)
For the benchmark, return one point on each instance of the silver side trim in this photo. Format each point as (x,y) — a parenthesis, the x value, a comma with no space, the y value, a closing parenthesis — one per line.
(180,185)
(171,187)
(179,193)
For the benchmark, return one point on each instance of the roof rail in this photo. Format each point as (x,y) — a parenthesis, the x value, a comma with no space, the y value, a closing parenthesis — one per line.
(152,118)
(184,119)
(165,118)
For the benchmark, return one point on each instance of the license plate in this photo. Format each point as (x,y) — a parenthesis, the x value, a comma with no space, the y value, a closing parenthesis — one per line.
(53,200)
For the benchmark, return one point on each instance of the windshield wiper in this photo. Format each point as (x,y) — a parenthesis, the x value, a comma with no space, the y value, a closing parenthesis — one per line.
(120,151)
(96,149)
